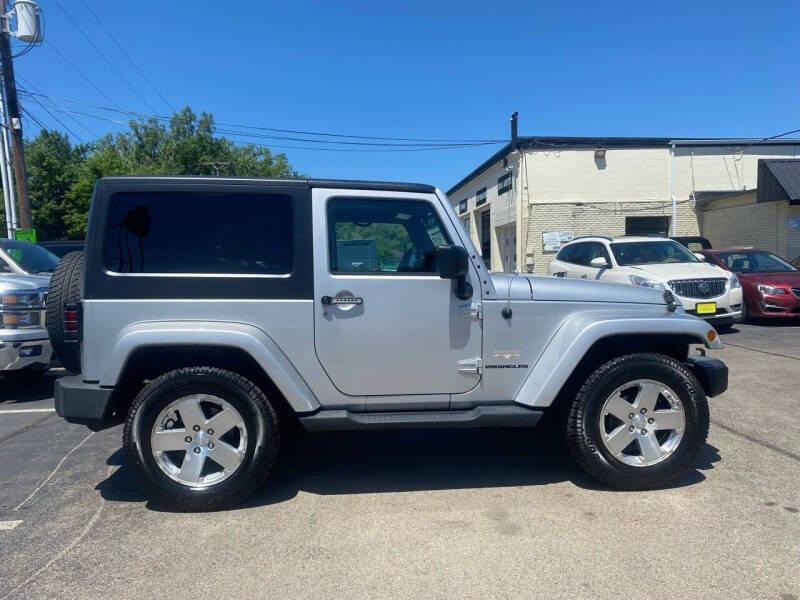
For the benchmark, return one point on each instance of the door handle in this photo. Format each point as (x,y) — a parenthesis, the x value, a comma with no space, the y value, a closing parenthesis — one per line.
(329,300)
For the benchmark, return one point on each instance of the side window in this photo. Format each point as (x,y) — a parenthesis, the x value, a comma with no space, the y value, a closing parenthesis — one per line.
(597,249)
(177,232)
(383,236)
(565,254)
(4,267)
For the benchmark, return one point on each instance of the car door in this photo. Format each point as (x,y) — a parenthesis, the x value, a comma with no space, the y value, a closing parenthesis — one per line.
(595,250)
(385,323)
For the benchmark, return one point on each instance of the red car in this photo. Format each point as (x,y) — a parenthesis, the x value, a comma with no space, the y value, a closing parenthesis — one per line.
(771,286)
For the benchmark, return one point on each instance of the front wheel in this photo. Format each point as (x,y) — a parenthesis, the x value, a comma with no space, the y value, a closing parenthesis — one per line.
(201,438)
(638,422)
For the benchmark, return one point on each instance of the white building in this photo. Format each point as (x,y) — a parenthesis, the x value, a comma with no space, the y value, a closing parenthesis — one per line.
(529,196)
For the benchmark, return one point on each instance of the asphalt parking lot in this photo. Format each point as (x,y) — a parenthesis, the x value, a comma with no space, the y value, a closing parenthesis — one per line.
(419,514)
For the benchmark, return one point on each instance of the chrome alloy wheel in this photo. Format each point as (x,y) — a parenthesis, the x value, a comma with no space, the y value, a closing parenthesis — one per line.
(642,422)
(199,440)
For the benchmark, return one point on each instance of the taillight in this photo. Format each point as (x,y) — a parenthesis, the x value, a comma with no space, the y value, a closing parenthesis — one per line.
(72,322)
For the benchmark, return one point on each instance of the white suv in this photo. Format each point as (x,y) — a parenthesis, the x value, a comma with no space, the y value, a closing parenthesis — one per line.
(705,290)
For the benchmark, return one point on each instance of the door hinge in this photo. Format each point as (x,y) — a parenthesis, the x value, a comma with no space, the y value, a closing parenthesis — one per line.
(470,365)
(476,311)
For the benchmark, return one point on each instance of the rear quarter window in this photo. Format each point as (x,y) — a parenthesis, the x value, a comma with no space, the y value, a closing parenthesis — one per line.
(209,233)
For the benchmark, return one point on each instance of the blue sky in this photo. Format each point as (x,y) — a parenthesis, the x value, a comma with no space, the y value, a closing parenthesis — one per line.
(432,70)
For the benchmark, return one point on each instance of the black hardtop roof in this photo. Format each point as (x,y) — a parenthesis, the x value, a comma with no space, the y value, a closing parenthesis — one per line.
(350,184)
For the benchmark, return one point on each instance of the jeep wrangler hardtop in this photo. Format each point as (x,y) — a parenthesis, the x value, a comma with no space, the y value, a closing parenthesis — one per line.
(207,312)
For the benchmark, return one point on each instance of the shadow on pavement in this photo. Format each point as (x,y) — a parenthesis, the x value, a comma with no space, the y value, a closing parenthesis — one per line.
(21,388)
(412,460)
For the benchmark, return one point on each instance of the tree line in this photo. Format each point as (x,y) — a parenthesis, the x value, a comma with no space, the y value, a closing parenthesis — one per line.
(61,175)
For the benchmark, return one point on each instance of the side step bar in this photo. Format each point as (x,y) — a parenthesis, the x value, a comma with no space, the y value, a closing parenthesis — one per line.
(480,416)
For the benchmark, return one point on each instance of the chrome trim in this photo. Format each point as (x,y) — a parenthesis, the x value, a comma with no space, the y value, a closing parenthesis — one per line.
(692,288)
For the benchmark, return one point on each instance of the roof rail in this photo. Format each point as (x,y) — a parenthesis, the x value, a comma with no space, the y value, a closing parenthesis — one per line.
(581,237)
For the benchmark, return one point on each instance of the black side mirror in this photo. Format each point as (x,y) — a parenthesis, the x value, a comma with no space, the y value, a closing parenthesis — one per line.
(453,264)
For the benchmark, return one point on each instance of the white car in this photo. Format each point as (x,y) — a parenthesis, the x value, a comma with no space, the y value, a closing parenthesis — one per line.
(704,289)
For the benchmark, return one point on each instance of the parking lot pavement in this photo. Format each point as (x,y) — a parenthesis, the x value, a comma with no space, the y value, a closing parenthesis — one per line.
(420,514)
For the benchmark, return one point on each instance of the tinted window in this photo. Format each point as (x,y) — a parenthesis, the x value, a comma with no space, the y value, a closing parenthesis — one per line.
(383,236)
(648,253)
(754,262)
(30,257)
(199,233)
(568,253)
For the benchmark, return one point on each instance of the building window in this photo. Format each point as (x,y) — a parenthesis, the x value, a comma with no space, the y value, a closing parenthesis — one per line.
(504,184)
(485,234)
(647,226)
(480,197)
(465,223)
(462,206)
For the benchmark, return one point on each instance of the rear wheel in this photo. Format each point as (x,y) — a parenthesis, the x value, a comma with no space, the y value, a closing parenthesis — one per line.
(638,422)
(201,438)
(66,286)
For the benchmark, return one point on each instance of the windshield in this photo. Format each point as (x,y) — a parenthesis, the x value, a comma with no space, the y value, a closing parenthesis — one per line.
(651,253)
(754,262)
(30,257)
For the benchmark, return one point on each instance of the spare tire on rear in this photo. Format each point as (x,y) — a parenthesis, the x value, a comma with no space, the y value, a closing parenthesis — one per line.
(66,286)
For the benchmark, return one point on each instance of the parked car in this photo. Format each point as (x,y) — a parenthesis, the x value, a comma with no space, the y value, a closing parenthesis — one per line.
(17,256)
(203,335)
(25,271)
(24,346)
(695,243)
(771,286)
(705,290)
(62,247)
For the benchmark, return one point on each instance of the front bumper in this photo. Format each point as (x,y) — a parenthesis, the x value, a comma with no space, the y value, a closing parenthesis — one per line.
(783,305)
(84,403)
(711,372)
(729,307)
(24,349)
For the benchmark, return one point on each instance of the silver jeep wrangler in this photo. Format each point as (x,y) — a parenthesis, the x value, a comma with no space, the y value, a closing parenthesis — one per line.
(207,312)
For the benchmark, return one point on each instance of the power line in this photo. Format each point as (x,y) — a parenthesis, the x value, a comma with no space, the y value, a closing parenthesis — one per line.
(264,145)
(126,55)
(70,117)
(34,119)
(382,140)
(59,121)
(103,56)
(766,139)
(79,72)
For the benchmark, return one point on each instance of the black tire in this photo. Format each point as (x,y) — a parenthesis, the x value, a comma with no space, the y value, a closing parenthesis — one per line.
(66,286)
(262,441)
(583,421)
(745,312)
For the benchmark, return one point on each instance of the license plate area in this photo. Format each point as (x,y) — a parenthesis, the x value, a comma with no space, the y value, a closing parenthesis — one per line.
(706,308)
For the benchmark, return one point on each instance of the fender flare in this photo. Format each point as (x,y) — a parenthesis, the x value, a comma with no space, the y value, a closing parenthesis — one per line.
(580,332)
(252,340)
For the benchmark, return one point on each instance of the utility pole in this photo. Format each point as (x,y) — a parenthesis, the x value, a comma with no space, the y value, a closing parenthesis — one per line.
(15,123)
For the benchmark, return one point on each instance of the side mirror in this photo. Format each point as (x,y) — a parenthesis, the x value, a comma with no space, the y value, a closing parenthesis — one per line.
(453,264)
(702,257)
(600,262)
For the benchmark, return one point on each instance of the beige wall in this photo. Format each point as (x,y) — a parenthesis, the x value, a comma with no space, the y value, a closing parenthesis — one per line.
(633,181)
(596,218)
(740,221)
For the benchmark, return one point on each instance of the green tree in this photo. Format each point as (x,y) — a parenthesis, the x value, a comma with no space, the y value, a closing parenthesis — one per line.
(62,176)
(52,164)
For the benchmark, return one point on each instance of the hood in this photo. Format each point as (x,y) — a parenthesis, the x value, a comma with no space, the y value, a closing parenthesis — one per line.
(792,279)
(540,287)
(667,271)
(20,281)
